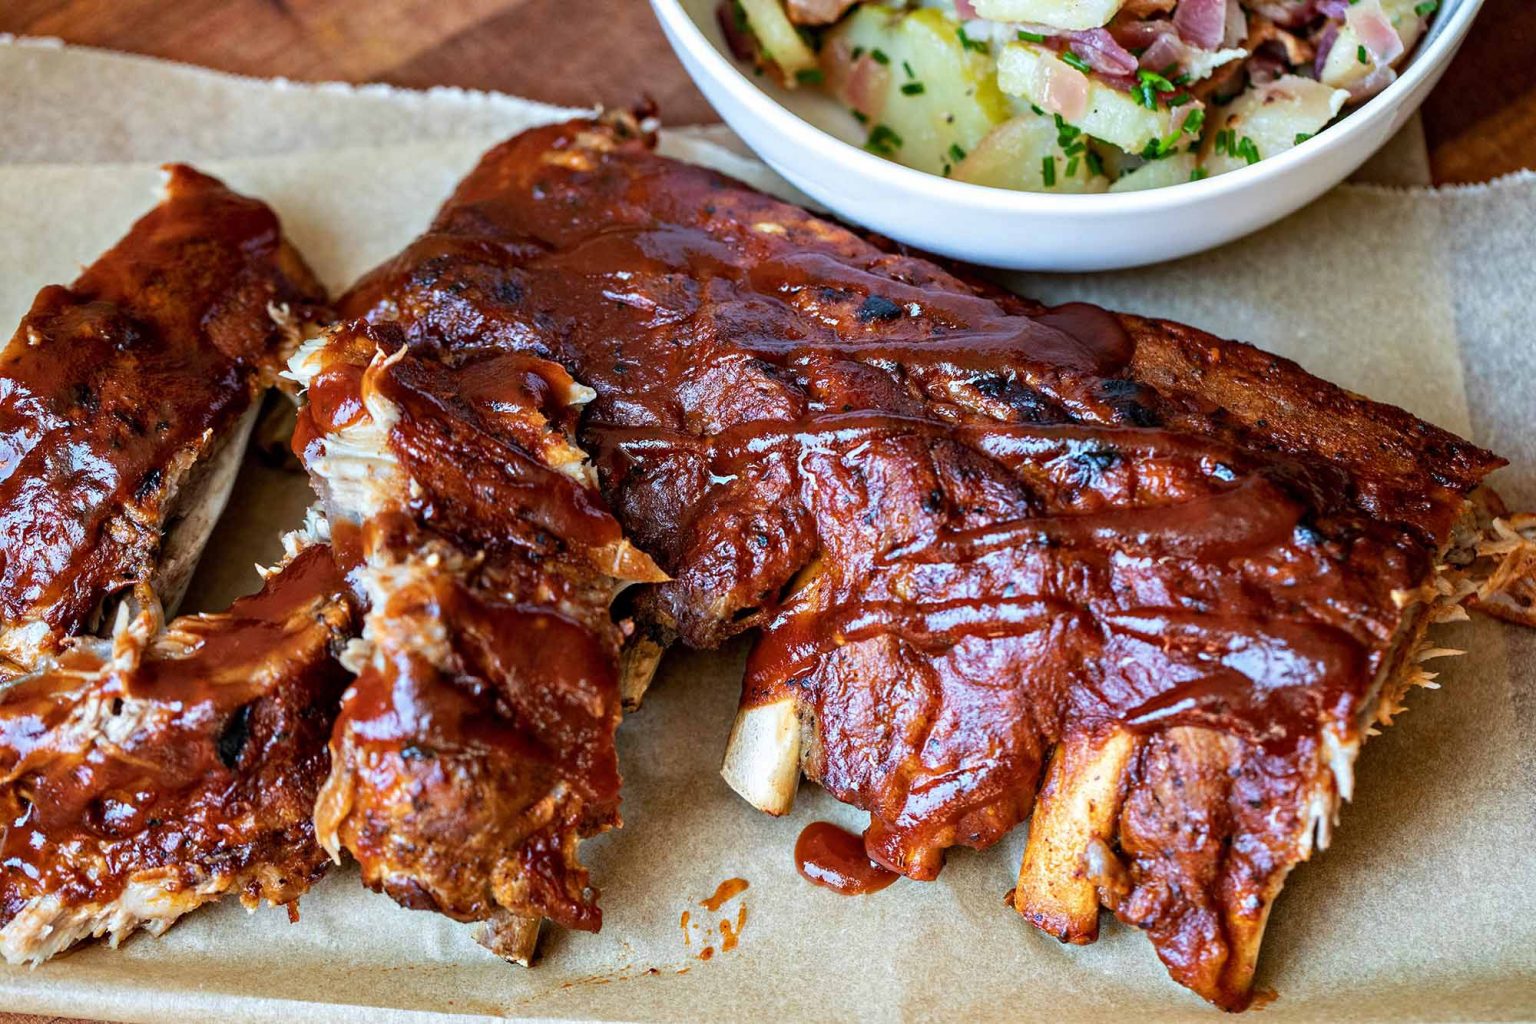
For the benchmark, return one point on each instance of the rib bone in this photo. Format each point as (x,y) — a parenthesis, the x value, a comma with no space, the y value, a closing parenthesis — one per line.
(1077,806)
(762,757)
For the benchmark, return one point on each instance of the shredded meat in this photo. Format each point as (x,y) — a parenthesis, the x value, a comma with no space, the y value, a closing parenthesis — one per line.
(475,748)
(148,774)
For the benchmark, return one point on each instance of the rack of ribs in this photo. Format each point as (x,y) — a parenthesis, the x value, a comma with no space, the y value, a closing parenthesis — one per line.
(475,748)
(146,774)
(1150,586)
(125,404)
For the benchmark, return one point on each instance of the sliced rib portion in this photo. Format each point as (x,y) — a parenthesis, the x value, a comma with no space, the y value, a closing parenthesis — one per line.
(125,403)
(978,534)
(144,775)
(475,748)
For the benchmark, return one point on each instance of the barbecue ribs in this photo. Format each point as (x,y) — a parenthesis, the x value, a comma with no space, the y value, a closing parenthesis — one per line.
(1150,585)
(125,403)
(144,775)
(475,748)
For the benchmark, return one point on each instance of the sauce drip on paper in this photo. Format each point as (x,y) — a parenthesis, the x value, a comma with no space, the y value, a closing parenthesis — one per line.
(834,858)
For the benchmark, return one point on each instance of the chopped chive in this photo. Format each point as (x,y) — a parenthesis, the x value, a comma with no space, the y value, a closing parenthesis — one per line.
(1426,8)
(1362,55)
(1075,148)
(883,140)
(912,88)
(1030,37)
(1247,150)
(1194,121)
(971,44)
(879,56)
(1073,60)
(1037,109)
(809,76)
(947,169)
(1095,162)
(1184,79)
(1198,174)
(1048,171)
(1178,99)
(858,51)
(860,117)
(1303,137)
(1072,167)
(1065,132)
(908,69)
(1154,79)
(955,152)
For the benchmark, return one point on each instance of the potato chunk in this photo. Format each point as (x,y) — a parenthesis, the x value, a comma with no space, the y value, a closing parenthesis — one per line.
(1172,170)
(1039,76)
(1363,48)
(938,97)
(1070,15)
(1027,154)
(1269,119)
(780,41)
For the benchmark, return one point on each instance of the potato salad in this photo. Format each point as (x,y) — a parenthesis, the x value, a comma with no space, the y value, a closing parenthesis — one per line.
(1082,95)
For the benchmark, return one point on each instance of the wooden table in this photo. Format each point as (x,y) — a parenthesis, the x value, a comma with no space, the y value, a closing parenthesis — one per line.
(1480,123)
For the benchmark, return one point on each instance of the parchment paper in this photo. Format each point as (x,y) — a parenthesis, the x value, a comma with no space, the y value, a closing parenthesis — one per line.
(1423,909)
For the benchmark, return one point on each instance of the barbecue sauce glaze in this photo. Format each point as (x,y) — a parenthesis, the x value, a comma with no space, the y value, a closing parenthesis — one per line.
(218,773)
(113,387)
(967,526)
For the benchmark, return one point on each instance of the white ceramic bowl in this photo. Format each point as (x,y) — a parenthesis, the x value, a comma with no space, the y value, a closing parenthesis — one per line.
(809,139)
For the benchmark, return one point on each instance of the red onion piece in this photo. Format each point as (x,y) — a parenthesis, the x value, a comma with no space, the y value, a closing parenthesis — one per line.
(1202,23)
(1102,52)
(1289,13)
(965,10)
(1333,8)
(1165,50)
(1325,47)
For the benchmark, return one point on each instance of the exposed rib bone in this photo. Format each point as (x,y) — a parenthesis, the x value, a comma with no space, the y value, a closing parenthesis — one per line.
(512,937)
(762,757)
(1077,806)
(637,667)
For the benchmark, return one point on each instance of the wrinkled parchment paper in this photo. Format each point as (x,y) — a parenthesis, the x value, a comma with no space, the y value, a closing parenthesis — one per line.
(1423,909)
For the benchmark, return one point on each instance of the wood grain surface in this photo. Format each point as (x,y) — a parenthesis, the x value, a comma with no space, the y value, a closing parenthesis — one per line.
(1480,122)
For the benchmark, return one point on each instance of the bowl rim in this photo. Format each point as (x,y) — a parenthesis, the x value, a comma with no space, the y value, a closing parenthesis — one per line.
(901,179)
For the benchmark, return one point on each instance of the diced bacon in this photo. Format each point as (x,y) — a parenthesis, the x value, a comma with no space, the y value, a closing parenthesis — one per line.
(1061,89)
